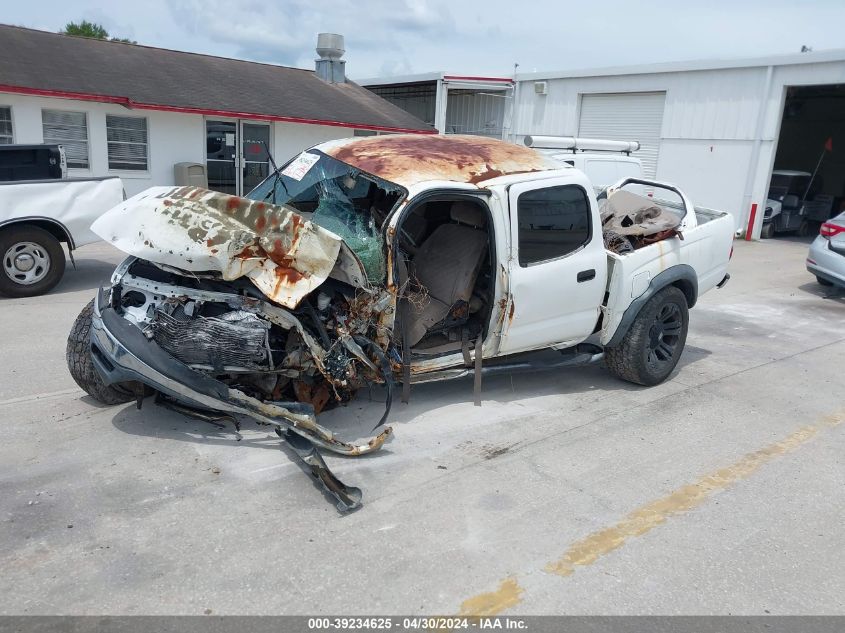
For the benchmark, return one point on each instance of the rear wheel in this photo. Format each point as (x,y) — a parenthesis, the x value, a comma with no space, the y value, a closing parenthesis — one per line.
(81,367)
(33,261)
(651,348)
(804,229)
(822,281)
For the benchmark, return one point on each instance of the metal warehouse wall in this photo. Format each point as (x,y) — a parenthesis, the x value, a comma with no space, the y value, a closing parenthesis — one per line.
(711,122)
(473,112)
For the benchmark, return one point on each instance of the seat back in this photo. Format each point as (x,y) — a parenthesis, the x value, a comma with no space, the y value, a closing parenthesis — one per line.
(447,265)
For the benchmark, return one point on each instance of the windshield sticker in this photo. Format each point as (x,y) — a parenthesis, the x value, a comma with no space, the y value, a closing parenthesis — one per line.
(300,166)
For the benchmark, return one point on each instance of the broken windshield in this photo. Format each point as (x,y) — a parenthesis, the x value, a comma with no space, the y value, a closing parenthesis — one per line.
(339,198)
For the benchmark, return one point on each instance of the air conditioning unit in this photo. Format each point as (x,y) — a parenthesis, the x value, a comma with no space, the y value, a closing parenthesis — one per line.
(541,87)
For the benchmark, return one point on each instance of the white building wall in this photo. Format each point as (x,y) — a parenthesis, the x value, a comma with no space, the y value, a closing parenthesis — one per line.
(172,137)
(710,123)
(292,138)
(708,126)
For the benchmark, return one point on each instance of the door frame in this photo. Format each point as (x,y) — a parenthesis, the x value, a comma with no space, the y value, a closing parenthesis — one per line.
(239,146)
(590,255)
(239,169)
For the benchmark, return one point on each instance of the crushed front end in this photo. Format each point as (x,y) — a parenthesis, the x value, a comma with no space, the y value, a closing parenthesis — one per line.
(233,307)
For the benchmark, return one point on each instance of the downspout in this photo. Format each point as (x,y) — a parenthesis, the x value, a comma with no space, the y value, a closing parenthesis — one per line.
(510,135)
(755,217)
(441,100)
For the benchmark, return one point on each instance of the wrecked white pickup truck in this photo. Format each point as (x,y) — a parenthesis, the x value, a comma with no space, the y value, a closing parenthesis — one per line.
(388,260)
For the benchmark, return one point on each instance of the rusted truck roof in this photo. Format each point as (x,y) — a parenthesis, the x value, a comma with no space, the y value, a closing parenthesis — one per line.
(409,159)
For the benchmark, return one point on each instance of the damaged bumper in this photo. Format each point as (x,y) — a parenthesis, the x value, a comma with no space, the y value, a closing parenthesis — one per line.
(121,353)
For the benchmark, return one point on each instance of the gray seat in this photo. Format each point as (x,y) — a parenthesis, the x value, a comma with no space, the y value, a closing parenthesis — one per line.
(447,266)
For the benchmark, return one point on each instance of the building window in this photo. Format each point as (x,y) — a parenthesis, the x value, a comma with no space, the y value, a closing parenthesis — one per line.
(69,129)
(553,222)
(5,125)
(127,142)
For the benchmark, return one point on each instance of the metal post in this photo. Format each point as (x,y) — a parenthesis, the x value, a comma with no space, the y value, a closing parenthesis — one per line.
(756,220)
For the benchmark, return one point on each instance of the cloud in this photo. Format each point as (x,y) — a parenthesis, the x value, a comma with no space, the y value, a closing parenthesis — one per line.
(258,31)
(286,33)
(483,37)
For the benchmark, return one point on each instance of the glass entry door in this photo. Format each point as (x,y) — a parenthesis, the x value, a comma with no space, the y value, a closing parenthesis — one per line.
(221,155)
(236,155)
(256,165)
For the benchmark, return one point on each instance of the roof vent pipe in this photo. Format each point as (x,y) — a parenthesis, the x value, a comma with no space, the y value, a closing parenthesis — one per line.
(330,67)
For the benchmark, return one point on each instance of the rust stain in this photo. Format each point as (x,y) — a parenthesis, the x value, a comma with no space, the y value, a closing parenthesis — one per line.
(511,312)
(317,396)
(233,204)
(287,277)
(508,595)
(646,518)
(407,159)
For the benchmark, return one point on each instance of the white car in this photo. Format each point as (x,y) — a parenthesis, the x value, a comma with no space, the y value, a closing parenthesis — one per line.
(826,259)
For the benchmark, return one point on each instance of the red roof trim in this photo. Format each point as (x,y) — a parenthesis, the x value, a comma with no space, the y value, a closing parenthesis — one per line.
(468,78)
(125,101)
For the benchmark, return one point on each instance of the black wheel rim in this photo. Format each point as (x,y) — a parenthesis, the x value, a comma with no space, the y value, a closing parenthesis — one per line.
(664,335)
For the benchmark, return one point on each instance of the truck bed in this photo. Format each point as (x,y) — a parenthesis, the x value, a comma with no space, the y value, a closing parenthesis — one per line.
(706,246)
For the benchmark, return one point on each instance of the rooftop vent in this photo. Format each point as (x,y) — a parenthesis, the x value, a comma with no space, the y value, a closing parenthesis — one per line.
(330,67)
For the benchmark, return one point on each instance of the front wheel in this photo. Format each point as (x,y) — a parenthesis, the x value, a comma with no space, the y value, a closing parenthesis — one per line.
(81,367)
(768,231)
(653,344)
(33,261)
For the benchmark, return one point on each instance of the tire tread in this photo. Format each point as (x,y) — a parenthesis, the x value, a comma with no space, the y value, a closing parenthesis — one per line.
(626,360)
(81,367)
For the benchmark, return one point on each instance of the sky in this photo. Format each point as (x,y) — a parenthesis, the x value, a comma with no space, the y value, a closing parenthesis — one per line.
(467,37)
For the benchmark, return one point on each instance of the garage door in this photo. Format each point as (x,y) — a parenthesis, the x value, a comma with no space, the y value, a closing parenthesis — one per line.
(632,116)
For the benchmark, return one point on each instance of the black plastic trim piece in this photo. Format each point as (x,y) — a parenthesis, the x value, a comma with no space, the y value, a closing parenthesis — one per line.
(680,273)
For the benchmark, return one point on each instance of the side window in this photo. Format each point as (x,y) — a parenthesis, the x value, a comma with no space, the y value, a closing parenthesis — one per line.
(553,222)
(602,173)
(127,142)
(5,125)
(71,130)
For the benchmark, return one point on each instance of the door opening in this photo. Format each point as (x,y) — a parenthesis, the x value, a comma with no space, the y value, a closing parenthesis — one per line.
(236,155)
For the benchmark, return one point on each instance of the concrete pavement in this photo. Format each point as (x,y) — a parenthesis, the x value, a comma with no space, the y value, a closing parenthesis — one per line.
(719,491)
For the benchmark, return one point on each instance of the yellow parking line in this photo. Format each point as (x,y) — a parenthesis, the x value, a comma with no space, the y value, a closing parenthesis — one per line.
(644,519)
(506,596)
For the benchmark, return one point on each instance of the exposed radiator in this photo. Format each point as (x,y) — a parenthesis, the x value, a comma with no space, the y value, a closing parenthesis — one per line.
(236,339)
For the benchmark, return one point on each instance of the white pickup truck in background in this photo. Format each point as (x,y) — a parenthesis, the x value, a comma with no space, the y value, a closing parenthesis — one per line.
(604,161)
(40,212)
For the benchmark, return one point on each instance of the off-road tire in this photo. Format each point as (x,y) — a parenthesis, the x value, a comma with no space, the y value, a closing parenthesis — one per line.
(82,368)
(13,235)
(823,282)
(635,359)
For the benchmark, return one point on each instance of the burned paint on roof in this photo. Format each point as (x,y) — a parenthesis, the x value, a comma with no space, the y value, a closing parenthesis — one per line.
(408,159)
